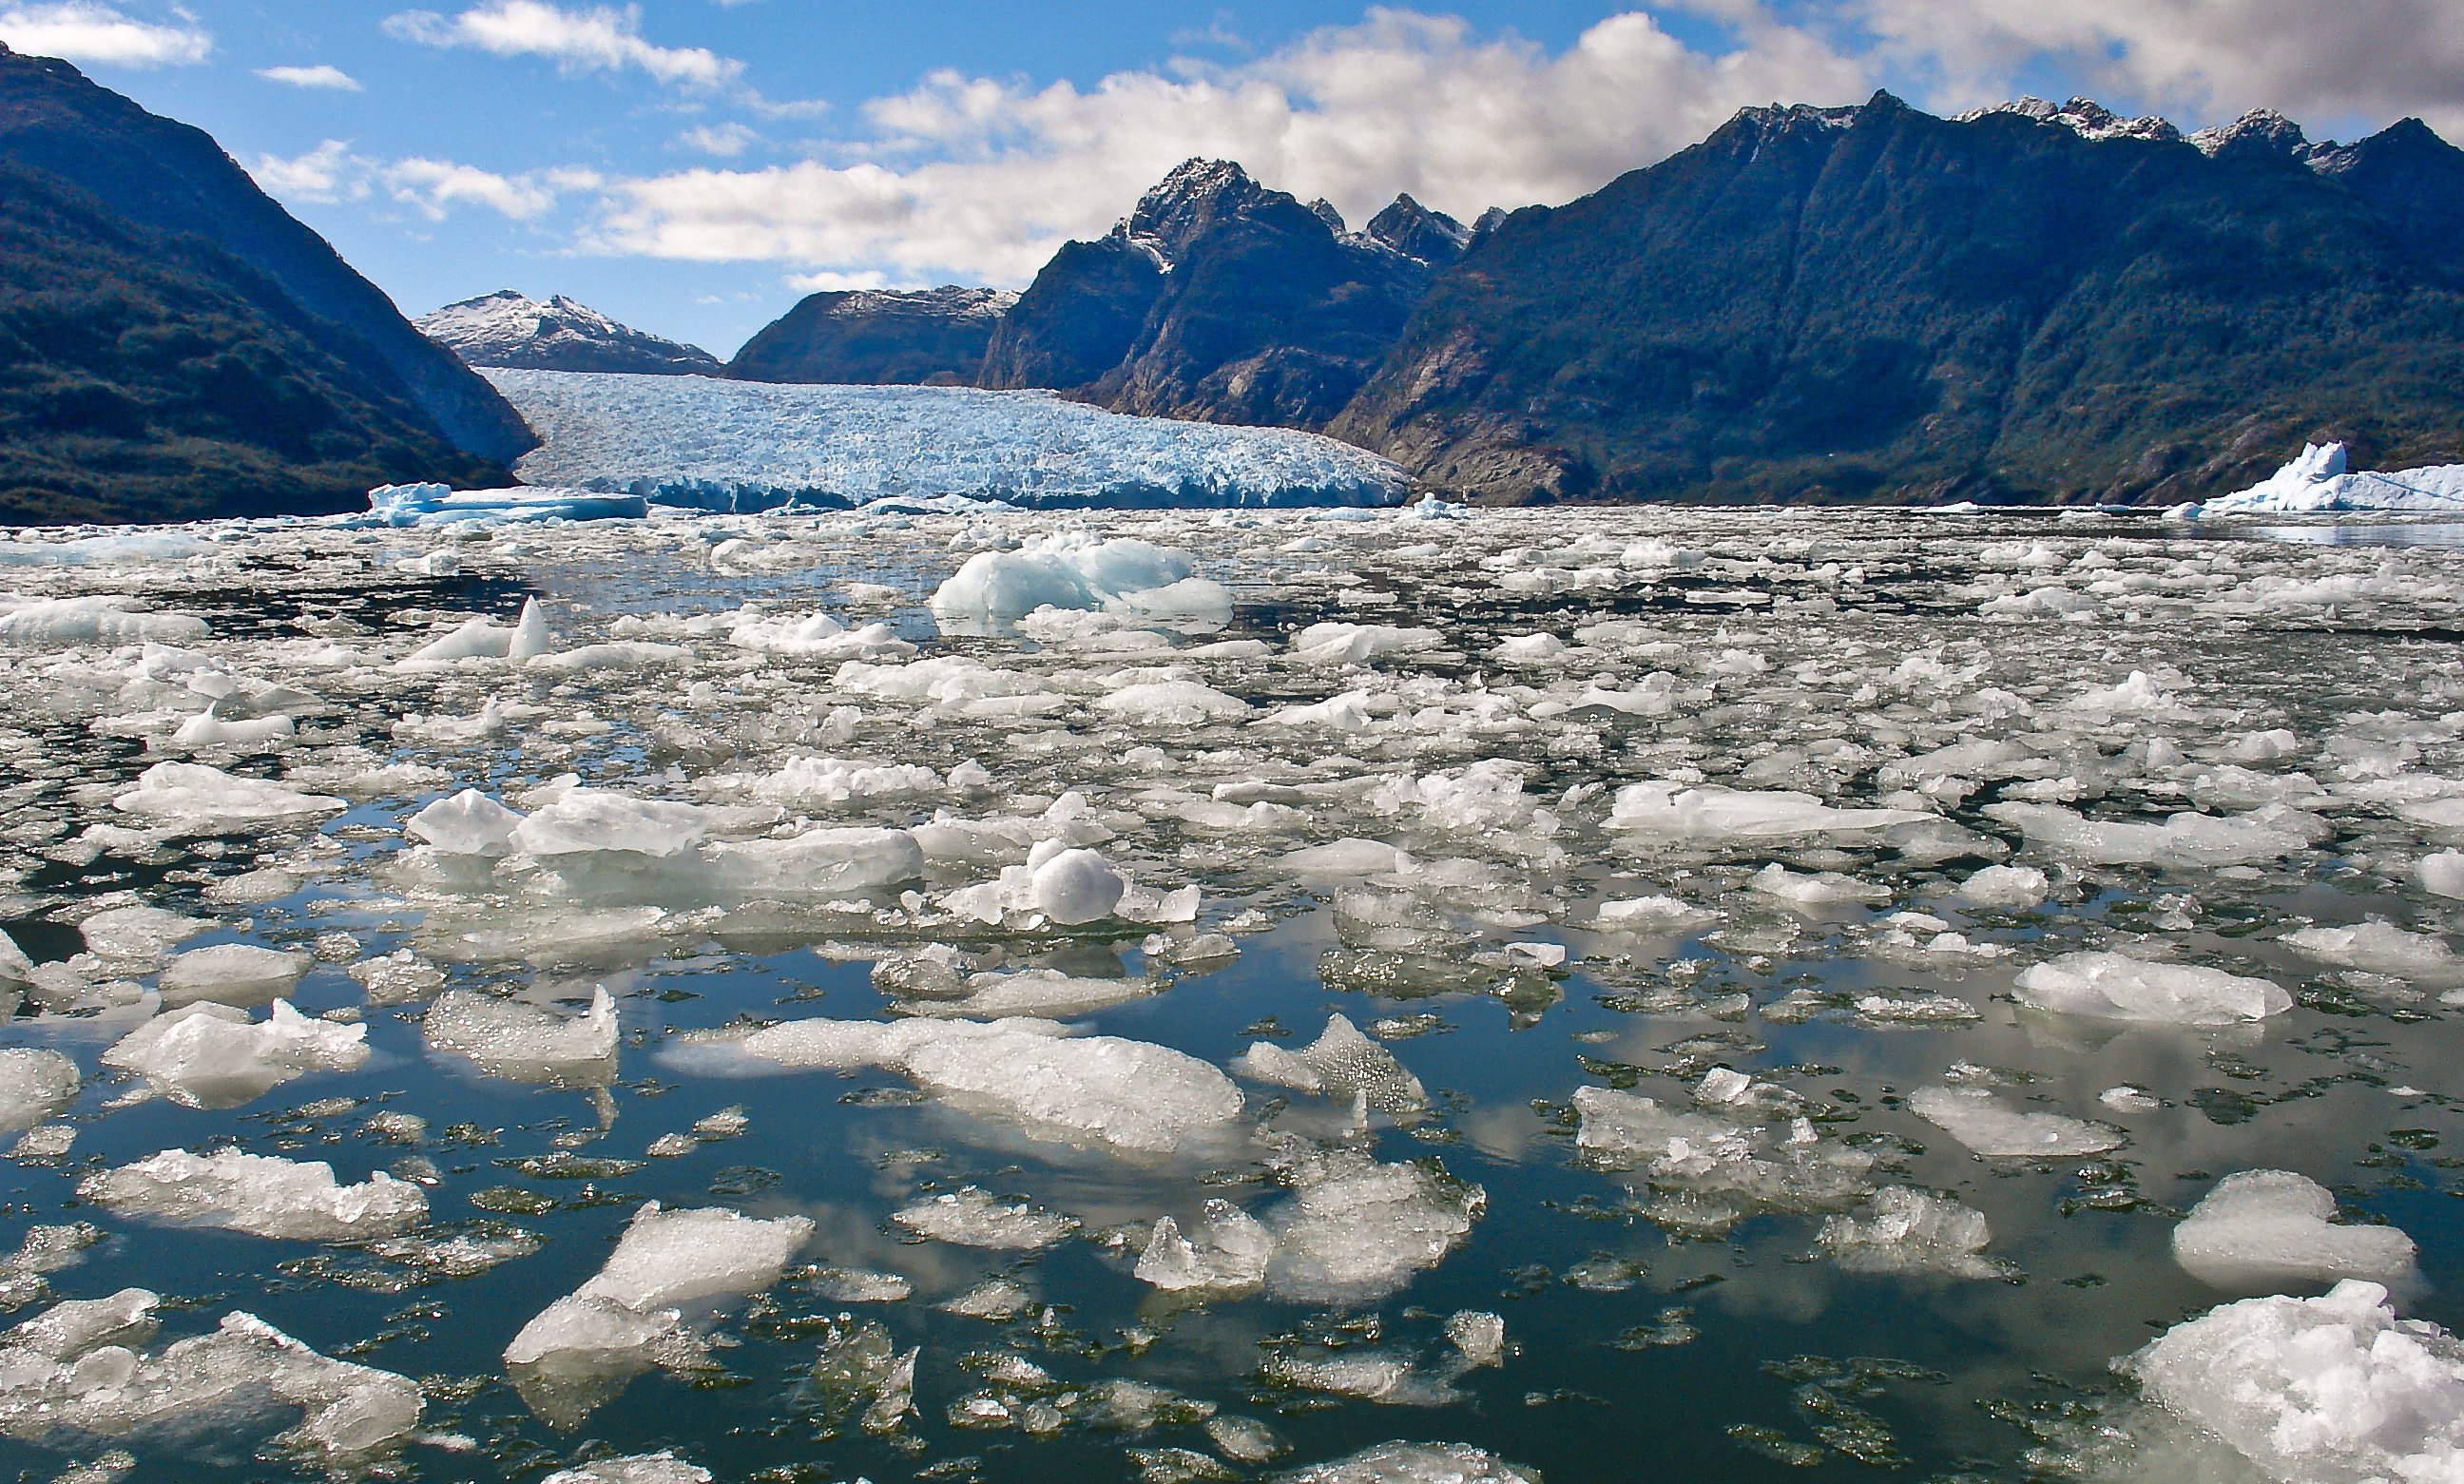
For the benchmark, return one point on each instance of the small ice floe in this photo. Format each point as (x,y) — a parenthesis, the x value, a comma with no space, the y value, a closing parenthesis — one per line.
(1340,1063)
(210,801)
(581,1350)
(208,1055)
(259,1194)
(2328,1391)
(2116,987)
(1978,1119)
(526,1043)
(1412,1463)
(971,1217)
(2378,947)
(2261,1227)
(1911,1230)
(34,1085)
(659,1468)
(1074,569)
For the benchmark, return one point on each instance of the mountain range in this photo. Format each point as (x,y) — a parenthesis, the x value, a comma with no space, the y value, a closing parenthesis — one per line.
(173,344)
(510,330)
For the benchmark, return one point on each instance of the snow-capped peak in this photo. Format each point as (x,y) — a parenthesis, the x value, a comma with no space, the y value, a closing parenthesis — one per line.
(1167,216)
(2261,131)
(2085,116)
(509,328)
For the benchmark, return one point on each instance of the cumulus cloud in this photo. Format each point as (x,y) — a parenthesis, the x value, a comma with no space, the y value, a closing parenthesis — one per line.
(717,139)
(979,178)
(332,172)
(317,77)
(83,30)
(2201,59)
(600,38)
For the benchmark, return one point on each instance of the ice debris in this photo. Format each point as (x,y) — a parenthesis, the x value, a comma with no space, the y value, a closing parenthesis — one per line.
(34,1085)
(259,1194)
(1976,1117)
(208,1055)
(2116,987)
(2264,1227)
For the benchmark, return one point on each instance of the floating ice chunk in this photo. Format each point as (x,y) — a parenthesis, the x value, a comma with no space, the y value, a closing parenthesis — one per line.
(1229,1254)
(193,794)
(1676,814)
(477,638)
(818,636)
(1355,1230)
(2116,987)
(16,968)
(1910,1230)
(1340,1063)
(614,654)
(1129,1095)
(659,1468)
(1345,857)
(1357,644)
(1070,569)
(601,819)
(347,1411)
(1034,992)
(108,619)
(2012,888)
(2188,840)
(826,862)
(231,973)
(135,936)
(469,823)
(1073,886)
(2377,948)
(427,504)
(2261,1227)
(1174,704)
(2328,1391)
(1651,914)
(970,1217)
(34,1085)
(214,1056)
(208,728)
(1412,1463)
(1734,1165)
(259,1194)
(583,1347)
(2317,481)
(526,1043)
(1825,889)
(1977,1119)
(823,782)
(2443,874)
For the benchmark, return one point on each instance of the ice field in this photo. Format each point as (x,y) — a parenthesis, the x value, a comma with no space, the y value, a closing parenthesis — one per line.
(1336,997)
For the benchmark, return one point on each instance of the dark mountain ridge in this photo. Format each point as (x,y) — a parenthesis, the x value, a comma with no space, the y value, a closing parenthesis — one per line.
(168,176)
(877,337)
(1872,303)
(509,329)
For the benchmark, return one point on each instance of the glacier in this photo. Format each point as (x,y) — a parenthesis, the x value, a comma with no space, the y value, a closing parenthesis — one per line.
(733,445)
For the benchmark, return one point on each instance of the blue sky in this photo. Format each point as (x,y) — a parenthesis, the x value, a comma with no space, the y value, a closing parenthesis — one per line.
(694,166)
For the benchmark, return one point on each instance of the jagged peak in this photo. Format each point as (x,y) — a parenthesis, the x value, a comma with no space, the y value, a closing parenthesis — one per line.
(2085,116)
(1776,115)
(1418,232)
(1325,210)
(2260,133)
(950,300)
(1166,215)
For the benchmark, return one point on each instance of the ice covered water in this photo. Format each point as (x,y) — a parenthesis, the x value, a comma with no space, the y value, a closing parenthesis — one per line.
(944,992)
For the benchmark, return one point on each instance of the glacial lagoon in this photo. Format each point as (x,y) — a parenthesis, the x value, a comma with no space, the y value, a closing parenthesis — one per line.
(1577,994)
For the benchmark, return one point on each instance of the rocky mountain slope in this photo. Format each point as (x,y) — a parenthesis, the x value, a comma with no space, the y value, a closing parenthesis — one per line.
(508,329)
(1221,299)
(2036,302)
(168,177)
(877,338)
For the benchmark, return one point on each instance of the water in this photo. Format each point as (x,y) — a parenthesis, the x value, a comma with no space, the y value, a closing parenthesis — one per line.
(1657,1327)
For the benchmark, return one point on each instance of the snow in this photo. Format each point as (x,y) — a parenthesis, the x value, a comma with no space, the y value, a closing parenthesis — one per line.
(2317,481)
(2116,987)
(2328,1391)
(262,1195)
(2258,1228)
(729,445)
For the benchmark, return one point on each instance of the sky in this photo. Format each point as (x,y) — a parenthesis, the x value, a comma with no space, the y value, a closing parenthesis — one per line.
(694,166)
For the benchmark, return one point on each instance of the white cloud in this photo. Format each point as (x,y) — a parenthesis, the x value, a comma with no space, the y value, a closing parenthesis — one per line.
(83,30)
(824,282)
(434,189)
(600,38)
(2203,61)
(317,77)
(717,139)
(979,179)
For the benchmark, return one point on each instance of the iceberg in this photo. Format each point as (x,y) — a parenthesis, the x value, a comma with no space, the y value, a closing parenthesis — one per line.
(737,446)
(2319,481)
(442,504)
(2259,1227)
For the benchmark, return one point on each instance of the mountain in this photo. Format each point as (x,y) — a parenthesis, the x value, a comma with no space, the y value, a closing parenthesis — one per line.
(1220,300)
(877,338)
(2038,302)
(508,329)
(167,177)
(149,375)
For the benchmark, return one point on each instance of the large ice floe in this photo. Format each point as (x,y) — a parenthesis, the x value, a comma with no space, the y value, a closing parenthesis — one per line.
(730,445)
(1806,989)
(2319,481)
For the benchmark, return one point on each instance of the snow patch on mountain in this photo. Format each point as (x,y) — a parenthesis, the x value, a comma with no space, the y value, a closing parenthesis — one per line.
(730,445)
(508,329)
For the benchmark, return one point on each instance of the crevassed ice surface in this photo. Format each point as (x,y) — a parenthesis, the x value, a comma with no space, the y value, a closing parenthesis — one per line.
(730,445)
(1599,995)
